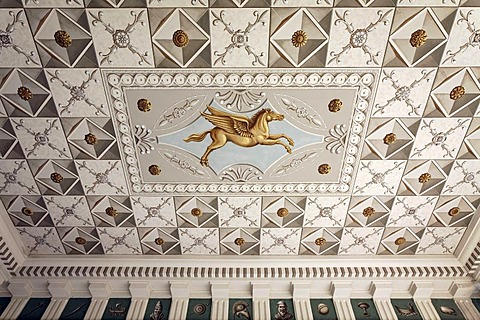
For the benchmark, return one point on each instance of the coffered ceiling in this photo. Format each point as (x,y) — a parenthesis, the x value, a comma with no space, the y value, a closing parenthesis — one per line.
(108,110)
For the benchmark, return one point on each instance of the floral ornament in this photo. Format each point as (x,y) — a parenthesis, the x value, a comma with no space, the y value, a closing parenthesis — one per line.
(239,241)
(325,211)
(439,138)
(418,38)
(62,38)
(121,37)
(143,139)
(296,162)
(239,212)
(469,177)
(279,241)
(378,177)
(360,241)
(101,178)
(40,240)
(402,93)
(119,241)
(457,92)
(77,93)
(180,38)
(336,138)
(358,37)
(154,170)
(8,41)
(239,38)
(441,240)
(144,105)
(411,211)
(11,177)
(24,93)
(390,138)
(424,177)
(299,38)
(199,241)
(473,41)
(324,168)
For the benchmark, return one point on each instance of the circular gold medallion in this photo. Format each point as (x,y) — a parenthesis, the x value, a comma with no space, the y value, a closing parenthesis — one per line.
(418,38)
(90,139)
(159,241)
(239,241)
(110,211)
(320,241)
(56,177)
(390,138)
(63,39)
(457,92)
(453,211)
(368,211)
(299,38)
(27,211)
(400,241)
(335,105)
(154,170)
(324,168)
(144,105)
(282,212)
(24,93)
(81,241)
(180,38)
(424,177)
(196,212)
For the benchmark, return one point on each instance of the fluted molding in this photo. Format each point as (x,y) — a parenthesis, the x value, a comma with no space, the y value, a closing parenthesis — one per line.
(301,299)
(55,308)
(341,291)
(100,291)
(12,311)
(461,292)
(261,300)
(381,292)
(468,309)
(180,291)
(421,292)
(140,292)
(220,295)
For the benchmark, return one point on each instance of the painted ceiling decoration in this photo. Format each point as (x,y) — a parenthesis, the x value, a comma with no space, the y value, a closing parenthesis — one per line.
(227,127)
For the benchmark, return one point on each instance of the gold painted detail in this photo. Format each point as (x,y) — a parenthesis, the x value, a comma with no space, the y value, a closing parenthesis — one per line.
(241,130)
(400,241)
(196,212)
(453,211)
(390,138)
(418,38)
(63,39)
(239,241)
(24,93)
(457,92)
(180,38)
(159,241)
(424,177)
(81,241)
(335,105)
(91,139)
(56,177)
(320,241)
(144,105)
(154,170)
(282,212)
(324,168)
(110,211)
(299,38)
(27,211)
(368,211)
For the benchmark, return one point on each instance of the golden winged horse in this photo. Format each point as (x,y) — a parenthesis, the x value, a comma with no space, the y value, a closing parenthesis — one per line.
(240,130)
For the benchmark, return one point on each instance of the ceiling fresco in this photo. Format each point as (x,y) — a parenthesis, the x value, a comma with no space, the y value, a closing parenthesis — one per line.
(240,127)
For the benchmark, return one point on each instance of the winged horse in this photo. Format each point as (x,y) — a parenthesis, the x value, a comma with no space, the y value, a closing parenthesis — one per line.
(240,130)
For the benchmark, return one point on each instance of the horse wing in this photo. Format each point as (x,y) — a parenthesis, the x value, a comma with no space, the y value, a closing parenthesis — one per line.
(231,123)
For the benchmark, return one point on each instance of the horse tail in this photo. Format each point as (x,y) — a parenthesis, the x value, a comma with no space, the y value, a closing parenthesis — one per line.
(196,137)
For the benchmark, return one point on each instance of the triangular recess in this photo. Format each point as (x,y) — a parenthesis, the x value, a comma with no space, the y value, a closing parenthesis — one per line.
(356,212)
(38,212)
(229,241)
(169,241)
(402,135)
(436,36)
(316,37)
(450,107)
(185,213)
(91,240)
(124,215)
(473,142)
(198,38)
(17,79)
(44,177)
(291,220)
(411,179)
(55,21)
(459,219)
(410,240)
(329,247)
(7,142)
(104,139)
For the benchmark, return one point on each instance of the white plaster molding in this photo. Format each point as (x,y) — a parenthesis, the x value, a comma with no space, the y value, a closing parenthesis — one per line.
(261,296)
(341,292)
(426,309)
(14,308)
(137,308)
(220,294)
(20,288)
(12,239)
(180,291)
(55,308)
(100,289)
(421,289)
(301,289)
(220,290)
(139,289)
(96,308)
(381,292)
(468,308)
(461,289)
(301,299)
(60,288)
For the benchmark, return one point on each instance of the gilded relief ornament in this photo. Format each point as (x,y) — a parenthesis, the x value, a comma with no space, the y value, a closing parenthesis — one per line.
(110,211)
(180,38)
(299,38)
(239,129)
(453,211)
(390,138)
(63,39)
(154,170)
(400,241)
(24,93)
(282,212)
(335,105)
(424,177)
(457,92)
(239,241)
(159,241)
(418,38)
(81,241)
(144,105)
(27,211)
(320,241)
(90,139)
(324,168)
(368,211)
(56,177)
(196,212)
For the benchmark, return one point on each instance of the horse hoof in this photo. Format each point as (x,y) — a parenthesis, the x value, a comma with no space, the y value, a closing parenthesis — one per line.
(289,150)
(204,163)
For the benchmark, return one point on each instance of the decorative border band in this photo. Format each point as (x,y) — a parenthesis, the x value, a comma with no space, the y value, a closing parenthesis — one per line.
(7,257)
